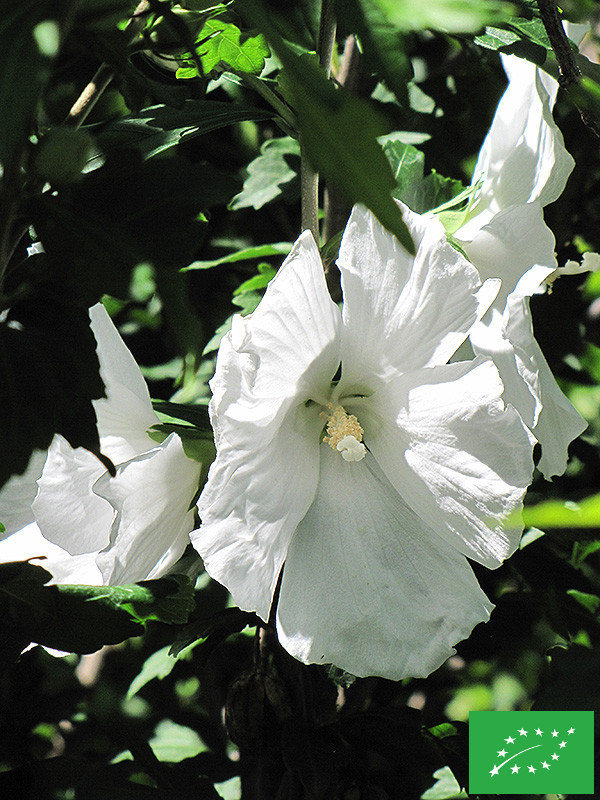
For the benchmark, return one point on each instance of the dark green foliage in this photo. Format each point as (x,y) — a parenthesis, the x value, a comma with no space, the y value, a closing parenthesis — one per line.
(49,376)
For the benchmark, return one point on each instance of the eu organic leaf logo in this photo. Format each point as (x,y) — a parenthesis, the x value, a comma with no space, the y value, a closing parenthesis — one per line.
(531,752)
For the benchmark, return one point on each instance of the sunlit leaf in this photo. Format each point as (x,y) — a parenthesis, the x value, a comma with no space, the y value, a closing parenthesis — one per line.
(420,192)
(452,16)
(564,514)
(272,174)
(246,254)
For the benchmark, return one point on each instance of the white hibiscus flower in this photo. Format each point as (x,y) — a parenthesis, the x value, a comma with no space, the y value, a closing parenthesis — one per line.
(96,529)
(349,450)
(522,166)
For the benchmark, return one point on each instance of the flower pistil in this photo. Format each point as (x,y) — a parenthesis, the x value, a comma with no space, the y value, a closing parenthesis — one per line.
(344,433)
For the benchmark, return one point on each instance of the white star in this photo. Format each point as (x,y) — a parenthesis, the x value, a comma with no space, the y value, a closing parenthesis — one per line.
(510,740)
(571,730)
(494,771)
(554,733)
(522,732)
(545,765)
(538,732)
(514,769)
(554,756)
(531,768)
(562,744)
(501,753)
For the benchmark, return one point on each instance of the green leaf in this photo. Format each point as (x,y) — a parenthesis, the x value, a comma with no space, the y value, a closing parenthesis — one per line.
(49,373)
(266,273)
(172,742)
(420,193)
(157,666)
(564,514)
(338,130)
(82,619)
(495,38)
(272,174)
(196,415)
(581,550)
(589,601)
(214,629)
(160,127)
(451,16)
(25,62)
(383,44)
(126,213)
(446,787)
(224,47)
(246,254)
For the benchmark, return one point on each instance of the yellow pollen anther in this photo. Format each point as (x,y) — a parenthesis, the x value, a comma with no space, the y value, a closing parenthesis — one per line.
(344,433)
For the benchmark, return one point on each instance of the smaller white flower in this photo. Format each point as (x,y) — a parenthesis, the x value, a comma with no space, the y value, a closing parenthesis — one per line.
(522,166)
(93,528)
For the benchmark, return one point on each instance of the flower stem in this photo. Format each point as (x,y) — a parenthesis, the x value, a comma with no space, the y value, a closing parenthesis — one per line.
(309,178)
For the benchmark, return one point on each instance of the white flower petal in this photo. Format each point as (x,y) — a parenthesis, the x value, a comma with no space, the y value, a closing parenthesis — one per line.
(265,475)
(18,493)
(29,543)
(126,413)
(523,158)
(516,246)
(517,370)
(152,494)
(557,423)
(458,457)
(259,488)
(68,513)
(368,586)
(402,313)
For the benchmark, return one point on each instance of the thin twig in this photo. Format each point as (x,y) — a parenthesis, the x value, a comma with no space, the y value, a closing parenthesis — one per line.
(569,74)
(89,97)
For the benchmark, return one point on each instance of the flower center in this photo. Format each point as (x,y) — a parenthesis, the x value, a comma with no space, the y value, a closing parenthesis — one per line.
(344,433)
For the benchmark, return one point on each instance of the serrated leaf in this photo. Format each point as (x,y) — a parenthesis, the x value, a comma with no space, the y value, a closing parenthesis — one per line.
(158,128)
(227,48)
(272,174)
(420,193)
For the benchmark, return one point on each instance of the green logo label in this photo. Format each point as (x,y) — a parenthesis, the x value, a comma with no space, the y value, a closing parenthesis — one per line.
(531,752)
